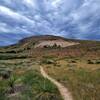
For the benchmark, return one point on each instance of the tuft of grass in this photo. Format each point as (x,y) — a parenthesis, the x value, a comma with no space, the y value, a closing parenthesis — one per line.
(42,89)
(11,84)
(48,61)
(2,93)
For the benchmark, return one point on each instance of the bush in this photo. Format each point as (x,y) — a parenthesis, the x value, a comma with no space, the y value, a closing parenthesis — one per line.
(42,89)
(11,51)
(48,61)
(97,62)
(5,74)
(11,84)
(90,62)
(56,46)
(73,61)
(52,47)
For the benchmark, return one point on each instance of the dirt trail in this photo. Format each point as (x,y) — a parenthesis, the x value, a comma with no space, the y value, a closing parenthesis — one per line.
(63,90)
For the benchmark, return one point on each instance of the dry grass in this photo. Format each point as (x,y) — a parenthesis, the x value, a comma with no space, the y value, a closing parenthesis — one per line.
(75,66)
(27,84)
(81,78)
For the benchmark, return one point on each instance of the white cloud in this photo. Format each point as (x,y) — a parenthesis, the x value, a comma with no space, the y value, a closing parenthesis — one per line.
(4,28)
(71,18)
(29,3)
(14,15)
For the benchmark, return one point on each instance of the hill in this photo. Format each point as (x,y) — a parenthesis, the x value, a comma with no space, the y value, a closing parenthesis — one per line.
(73,63)
(38,46)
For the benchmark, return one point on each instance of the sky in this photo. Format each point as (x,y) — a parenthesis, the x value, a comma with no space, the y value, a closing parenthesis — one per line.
(78,19)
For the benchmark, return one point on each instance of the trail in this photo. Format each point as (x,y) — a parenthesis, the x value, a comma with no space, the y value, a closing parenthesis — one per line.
(62,89)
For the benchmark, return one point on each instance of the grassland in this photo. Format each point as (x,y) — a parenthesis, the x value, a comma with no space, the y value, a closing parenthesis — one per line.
(76,67)
(81,77)
(20,79)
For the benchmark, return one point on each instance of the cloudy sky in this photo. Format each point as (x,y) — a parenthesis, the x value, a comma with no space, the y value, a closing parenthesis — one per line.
(69,18)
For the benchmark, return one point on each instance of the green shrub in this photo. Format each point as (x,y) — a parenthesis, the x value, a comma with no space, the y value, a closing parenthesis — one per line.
(39,88)
(2,93)
(52,47)
(11,84)
(10,56)
(73,61)
(90,62)
(48,61)
(5,74)
(97,62)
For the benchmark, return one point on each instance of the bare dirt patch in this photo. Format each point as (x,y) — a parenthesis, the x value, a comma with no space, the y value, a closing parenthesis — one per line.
(61,43)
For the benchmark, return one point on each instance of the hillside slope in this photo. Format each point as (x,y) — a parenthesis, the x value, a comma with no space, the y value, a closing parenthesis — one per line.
(38,46)
(73,63)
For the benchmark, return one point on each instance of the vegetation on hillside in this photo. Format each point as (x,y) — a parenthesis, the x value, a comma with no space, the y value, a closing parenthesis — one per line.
(77,67)
(81,77)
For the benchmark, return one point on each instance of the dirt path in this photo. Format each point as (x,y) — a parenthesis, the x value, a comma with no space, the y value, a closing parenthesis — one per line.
(63,90)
